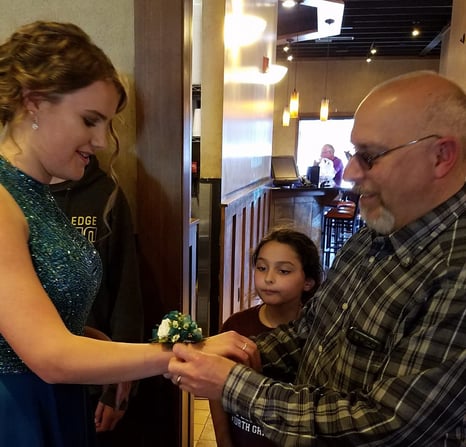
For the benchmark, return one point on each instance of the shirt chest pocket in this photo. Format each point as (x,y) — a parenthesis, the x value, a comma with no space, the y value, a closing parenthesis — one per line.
(360,360)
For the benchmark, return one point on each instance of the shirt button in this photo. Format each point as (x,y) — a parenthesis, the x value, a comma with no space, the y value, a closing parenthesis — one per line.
(405,262)
(344,306)
(320,348)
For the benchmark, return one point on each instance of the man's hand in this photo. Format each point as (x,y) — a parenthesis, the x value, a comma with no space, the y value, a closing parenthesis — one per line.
(233,346)
(200,373)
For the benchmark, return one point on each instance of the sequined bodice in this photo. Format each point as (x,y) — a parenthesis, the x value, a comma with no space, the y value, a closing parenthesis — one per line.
(67,265)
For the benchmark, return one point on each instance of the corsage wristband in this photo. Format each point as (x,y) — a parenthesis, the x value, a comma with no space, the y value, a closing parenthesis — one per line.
(176,327)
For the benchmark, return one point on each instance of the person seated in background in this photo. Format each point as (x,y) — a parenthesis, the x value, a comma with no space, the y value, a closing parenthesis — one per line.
(378,357)
(100,211)
(328,152)
(287,272)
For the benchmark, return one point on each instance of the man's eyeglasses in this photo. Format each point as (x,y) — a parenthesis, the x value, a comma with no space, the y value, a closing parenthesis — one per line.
(367,161)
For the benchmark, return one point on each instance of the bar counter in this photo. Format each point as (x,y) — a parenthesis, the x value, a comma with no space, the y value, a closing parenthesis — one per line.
(301,208)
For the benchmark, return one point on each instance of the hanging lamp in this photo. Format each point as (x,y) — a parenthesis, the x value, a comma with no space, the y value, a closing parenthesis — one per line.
(286,110)
(286,117)
(294,98)
(294,104)
(325,102)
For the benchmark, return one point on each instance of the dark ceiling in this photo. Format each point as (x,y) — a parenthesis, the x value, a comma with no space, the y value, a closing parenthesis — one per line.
(384,24)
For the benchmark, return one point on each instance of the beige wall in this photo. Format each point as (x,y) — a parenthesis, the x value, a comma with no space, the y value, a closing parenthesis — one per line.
(110,23)
(348,82)
(454,64)
(237,118)
(213,14)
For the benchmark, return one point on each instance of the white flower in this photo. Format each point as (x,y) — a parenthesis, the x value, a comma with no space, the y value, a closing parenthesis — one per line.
(164,329)
(176,327)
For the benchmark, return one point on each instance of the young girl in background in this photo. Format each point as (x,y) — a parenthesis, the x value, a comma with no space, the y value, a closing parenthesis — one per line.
(287,273)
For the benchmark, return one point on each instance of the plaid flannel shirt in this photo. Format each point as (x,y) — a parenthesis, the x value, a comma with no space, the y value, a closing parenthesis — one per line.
(379,357)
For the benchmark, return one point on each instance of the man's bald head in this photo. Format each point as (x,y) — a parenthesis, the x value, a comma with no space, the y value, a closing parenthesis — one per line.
(413,129)
(419,102)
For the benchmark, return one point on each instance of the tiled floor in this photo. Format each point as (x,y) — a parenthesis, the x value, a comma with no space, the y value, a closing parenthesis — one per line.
(204,435)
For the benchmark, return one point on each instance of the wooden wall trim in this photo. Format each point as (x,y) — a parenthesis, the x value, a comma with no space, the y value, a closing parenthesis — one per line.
(163,121)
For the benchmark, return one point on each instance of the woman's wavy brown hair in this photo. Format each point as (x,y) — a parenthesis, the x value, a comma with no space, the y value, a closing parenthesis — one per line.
(48,60)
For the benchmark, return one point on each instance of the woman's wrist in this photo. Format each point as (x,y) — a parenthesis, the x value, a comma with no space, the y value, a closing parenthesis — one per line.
(157,357)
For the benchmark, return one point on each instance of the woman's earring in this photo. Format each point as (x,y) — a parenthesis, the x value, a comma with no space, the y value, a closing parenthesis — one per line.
(34,124)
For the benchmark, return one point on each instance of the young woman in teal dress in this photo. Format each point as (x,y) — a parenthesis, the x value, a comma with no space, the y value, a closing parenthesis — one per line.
(58,95)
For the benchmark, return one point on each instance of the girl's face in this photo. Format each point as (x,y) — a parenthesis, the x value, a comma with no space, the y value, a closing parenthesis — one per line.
(70,130)
(279,276)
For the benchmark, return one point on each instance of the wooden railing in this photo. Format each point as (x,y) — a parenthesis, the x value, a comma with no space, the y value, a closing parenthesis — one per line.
(244,221)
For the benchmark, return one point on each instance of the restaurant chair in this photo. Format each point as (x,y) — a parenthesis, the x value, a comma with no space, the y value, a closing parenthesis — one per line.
(339,224)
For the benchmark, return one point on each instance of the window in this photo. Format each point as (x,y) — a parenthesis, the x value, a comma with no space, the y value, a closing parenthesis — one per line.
(313,134)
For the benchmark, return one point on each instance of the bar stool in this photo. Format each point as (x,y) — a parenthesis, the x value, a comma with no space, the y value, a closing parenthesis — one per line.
(338,226)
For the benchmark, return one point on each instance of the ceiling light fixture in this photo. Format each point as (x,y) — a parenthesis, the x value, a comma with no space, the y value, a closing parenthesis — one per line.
(235,26)
(289,3)
(287,47)
(324,104)
(372,52)
(416,31)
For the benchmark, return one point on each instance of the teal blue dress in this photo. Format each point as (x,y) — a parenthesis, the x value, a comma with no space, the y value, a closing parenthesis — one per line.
(32,412)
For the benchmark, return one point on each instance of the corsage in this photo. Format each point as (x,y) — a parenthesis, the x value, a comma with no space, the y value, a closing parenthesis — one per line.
(176,327)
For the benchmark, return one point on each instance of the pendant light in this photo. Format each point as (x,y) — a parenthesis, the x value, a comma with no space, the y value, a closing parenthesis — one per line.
(324,104)
(294,98)
(286,110)
(294,104)
(286,117)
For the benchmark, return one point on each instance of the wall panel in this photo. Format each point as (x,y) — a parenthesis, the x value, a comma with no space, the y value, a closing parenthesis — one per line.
(244,223)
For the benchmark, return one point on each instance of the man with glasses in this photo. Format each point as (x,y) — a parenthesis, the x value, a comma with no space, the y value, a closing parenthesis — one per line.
(378,357)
